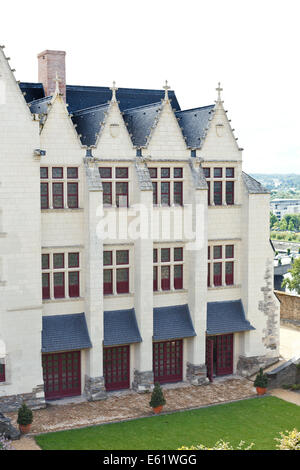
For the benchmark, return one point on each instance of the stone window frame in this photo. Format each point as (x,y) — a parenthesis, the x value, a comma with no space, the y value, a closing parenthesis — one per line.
(115,267)
(224,261)
(158,179)
(66,270)
(65,181)
(114,181)
(211,179)
(175,284)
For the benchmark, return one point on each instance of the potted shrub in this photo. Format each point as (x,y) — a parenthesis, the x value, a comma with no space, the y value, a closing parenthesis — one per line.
(157,399)
(25,418)
(261,382)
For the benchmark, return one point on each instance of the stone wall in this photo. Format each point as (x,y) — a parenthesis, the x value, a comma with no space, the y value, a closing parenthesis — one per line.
(7,430)
(34,400)
(288,373)
(289,306)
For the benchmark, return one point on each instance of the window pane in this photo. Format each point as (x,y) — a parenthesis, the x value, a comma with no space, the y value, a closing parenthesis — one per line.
(122,281)
(178,276)
(154,193)
(206,172)
(59,285)
(165,172)
(107,193)
(107,282)
(2,372)
(72,173)
(73,195)
(122,275)
(58,260)
(45,261)
(46,286)
(165,194)
(153,172)
(229,273)
(44,172)
(218,193)
(107,275)
(218,172)
(229,192)
(178,172)
(178,254)
(217,252)
(57,172)
(105,172)
(122,194)
(178,193)
(229,251)
(165,255)
(73,284)
(44,196)
(229,172)
(155,255)
(73,260)
(121,172)
(155,286)
(217,274)
(122,257)
(107,258)
(58,198)
(165,277)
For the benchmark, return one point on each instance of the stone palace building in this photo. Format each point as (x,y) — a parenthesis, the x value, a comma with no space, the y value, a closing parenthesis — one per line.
(133,247)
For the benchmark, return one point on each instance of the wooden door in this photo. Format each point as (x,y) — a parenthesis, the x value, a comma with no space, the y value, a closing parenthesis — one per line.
(167,361)
(62,374)
(116,366)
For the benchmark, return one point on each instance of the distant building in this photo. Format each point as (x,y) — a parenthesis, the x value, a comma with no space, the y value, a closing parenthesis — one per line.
(281,207)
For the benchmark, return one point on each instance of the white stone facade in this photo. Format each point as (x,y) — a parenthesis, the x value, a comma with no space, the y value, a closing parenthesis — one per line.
(27,232)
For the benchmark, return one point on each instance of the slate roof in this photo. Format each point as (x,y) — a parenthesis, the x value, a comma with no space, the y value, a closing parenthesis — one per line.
(226,317)
(139,122)
(253,186)
(65,333)
(120,327)
(140,108)
(172,322)
(88,123)
(194,123)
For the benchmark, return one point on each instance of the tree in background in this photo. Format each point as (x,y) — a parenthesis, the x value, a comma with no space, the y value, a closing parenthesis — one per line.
(293,282)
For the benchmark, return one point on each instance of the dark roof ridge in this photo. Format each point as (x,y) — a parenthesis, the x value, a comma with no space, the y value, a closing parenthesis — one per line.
(195,109)
(137,108)
(90,109)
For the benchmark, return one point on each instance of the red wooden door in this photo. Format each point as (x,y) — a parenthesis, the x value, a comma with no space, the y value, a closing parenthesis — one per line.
(224,360)
(167,361)
(210,358)
(62,374)
(116,366)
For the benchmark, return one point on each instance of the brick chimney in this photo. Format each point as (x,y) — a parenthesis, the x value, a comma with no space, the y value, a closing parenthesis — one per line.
(49,63)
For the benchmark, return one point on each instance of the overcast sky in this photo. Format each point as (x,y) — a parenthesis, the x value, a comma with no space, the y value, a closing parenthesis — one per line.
(251,47)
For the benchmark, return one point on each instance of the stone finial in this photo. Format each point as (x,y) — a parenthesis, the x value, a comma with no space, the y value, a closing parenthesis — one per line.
(166,87)
(57,80)
(219,89)
(113,90)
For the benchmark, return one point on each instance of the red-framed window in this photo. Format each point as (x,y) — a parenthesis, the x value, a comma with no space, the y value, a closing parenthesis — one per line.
(58,260)
(57,172)
(155,255)
(217,274)
(45,286)
(58,195)
(178,192)
(178,254)
(165,278)
(59,285)
(107,258)
(45,261)
(122,257)
(73,260)
(107,193)
(218,193)
(165,255)
(165,193)
(178,276)
(121,194)
(155,283)
(74,284)
(178,172)
(72,195)
(107,281)
(208,274)
(122,172)
(44,172)
(229,251)
(44,196)
(2,372)
(206,172)
(229,273)
(105,172)
(229,172)
(122,280)
(165,173)
(218,252)
(208,193)
(229,193)
(154,184)
(72,173)
(218,172)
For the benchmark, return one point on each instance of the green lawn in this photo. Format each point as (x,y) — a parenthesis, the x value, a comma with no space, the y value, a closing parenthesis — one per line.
(256,420)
